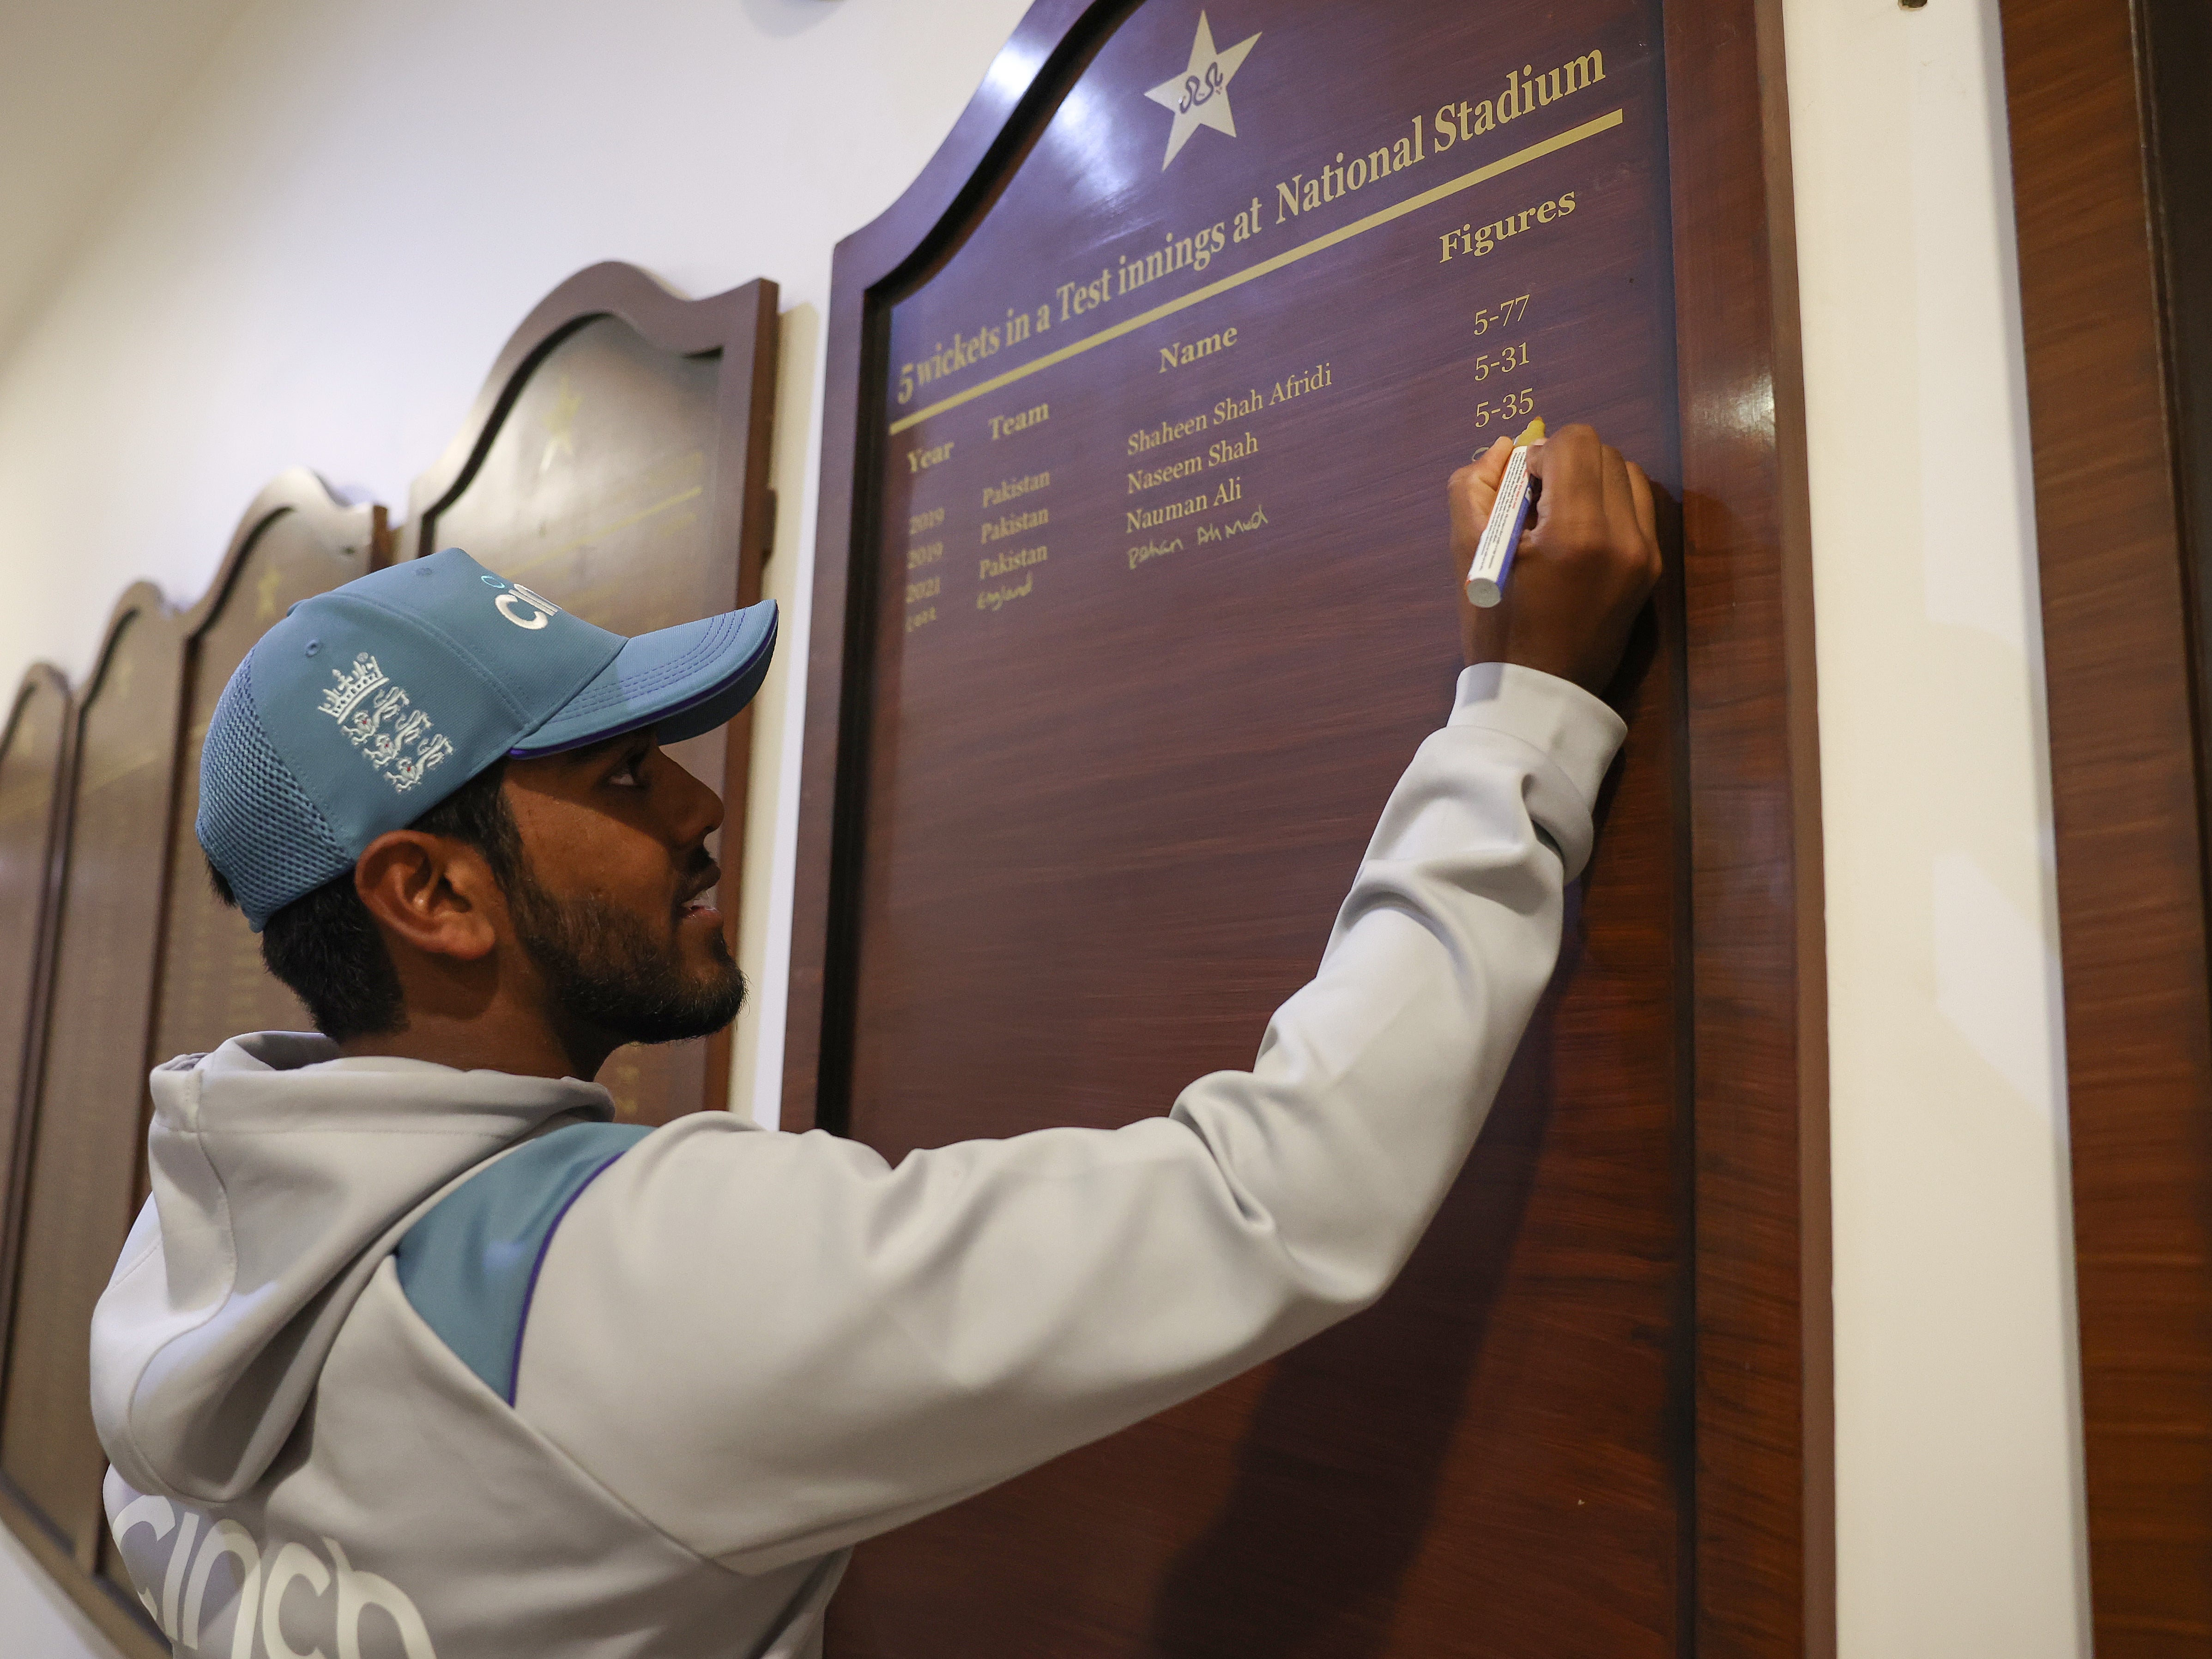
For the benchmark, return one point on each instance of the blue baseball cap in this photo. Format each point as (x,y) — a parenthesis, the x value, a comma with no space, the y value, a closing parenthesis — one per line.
(369,705)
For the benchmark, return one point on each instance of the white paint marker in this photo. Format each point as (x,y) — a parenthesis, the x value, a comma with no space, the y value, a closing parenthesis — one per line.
(1508,516)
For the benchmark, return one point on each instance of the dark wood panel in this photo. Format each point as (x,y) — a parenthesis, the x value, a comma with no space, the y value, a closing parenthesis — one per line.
(2125,725)
(33,762)
(1765,1553)
(296,540)
(618,461)
(1068,862)
(2176,45)
(87,1119)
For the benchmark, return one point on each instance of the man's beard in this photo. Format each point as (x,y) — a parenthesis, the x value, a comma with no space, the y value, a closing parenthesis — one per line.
(607,970)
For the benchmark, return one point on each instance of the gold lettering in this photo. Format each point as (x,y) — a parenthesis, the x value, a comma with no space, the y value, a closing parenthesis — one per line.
(1000,493)
(995,598)
(1181,354)
(1013,523)
(1151,477)
(1004,426)
(1167,432)
(1005,564)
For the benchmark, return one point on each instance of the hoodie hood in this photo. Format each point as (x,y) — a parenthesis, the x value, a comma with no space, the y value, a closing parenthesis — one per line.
(283,1174)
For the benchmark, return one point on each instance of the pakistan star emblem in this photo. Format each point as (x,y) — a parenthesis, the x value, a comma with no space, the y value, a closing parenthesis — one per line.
(1199,95)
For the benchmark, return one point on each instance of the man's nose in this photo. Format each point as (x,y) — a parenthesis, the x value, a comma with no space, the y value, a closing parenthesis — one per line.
(697,808)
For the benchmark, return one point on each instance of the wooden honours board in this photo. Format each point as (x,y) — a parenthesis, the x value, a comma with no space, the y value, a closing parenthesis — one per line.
(83,1144)
(296,540)
(1132,603)
(34,754)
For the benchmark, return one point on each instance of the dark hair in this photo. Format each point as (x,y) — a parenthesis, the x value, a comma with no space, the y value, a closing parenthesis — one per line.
(324,945)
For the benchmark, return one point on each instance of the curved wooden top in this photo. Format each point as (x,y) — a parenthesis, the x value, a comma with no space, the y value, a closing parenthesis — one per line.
(1046,51)
(141,599)
(665,318)
(38,675)
(296,490)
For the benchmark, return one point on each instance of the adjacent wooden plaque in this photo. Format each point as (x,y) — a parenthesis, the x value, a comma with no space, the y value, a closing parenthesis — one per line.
(33,757)
(1133,601)
(617,462)
(2111,141)
(296,540)
(86,1125)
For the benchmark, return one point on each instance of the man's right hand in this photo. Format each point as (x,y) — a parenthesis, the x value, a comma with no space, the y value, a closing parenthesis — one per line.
(1584,567)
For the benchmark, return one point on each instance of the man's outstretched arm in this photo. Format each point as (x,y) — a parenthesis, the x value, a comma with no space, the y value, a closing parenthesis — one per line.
(772,1346)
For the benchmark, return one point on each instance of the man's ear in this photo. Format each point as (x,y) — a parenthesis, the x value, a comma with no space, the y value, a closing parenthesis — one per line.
(432,892)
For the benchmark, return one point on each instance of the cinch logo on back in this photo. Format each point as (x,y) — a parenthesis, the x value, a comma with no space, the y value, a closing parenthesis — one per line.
(262,1594)
(513,597)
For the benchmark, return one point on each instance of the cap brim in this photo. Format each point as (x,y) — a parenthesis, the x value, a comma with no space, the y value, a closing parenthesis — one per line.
(684,680)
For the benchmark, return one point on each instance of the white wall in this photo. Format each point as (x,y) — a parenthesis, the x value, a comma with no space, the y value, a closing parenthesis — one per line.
(1958,1517)
(344,213)
(334,230)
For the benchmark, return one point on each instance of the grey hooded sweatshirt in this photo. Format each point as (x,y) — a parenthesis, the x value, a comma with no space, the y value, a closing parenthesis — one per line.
(401,1362)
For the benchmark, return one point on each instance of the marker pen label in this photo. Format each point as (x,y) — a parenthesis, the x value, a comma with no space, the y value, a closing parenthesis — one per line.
(1508,516)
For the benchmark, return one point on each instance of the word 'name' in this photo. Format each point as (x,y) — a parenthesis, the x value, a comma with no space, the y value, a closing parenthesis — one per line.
(1181,354)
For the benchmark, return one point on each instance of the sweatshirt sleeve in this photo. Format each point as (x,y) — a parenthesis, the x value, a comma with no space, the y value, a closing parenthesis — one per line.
(772,1346)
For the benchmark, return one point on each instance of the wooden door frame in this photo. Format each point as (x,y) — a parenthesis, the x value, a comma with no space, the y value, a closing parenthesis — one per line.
(1761,1559)
(2122,627)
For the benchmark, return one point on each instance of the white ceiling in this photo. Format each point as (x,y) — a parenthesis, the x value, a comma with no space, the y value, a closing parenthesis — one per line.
(84,84)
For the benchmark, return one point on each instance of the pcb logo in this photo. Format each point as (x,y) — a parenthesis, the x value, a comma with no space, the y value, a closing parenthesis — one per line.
(1200,96)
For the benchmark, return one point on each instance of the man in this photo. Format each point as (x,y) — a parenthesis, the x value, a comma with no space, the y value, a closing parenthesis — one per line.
(413,1352)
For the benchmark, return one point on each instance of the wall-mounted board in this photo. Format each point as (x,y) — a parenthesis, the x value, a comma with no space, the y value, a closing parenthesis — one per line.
(616,461)
(296,540)
(33,760)
(1130,603)
(2110,142)
(84,1139)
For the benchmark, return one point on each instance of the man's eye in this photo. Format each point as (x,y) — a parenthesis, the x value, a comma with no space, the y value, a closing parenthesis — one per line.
(628,775)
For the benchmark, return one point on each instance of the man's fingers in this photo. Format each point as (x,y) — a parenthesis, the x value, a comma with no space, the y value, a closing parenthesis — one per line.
(1472,492)
(1647,511)
(1569,459)
(1619,501)
(1570,464)
(1490,465)
(1476,483)
(1590,559)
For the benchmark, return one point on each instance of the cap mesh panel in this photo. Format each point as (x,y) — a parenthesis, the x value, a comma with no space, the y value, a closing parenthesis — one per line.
(256,823)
